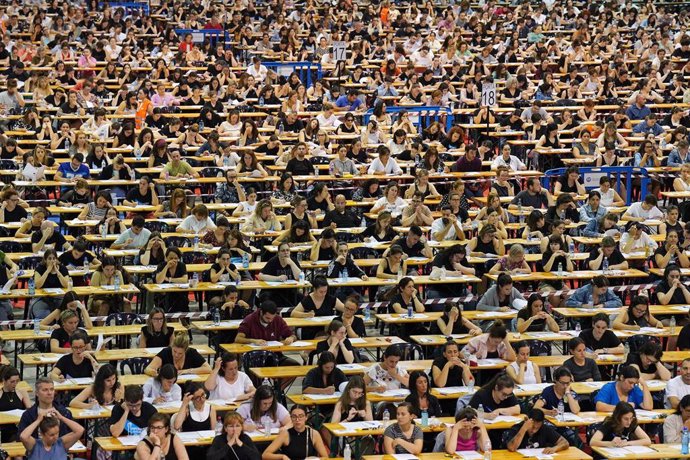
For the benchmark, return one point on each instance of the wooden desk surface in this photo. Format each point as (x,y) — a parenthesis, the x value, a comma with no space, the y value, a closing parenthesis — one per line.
(572,453)
(587,418)
(310,345)
(130,329)
(660,451)
(113,444)
(438,340)
(38,359)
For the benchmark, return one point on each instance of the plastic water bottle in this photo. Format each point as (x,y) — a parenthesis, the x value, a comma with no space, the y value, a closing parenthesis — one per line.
(281,128)
(367,313)
(684,440)
(245,261)
(347,452)
(440,167)
(571,247)
(195,279)
(560,410)
(167,175)
(521,218)
(137,153)
(386,418)
(32,286)
(117,281)
(266,382)
(487,450)
(196,242)
(480,412)
(216,317)
(37,326)
(261,100)
(560,269)
(400,273)
(67,144)
(578,327)
(410,311)
(605,265)
(301,277)
(70,283)
(86,268)
(226,161)
(470,386)
(425,418)
(344,275)
(672,325)
(627,351)
(201,125)
(219,427)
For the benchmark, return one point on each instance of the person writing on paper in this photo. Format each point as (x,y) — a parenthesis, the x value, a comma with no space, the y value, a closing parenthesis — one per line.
(560,391)
(620,429)
(402,297)
(227,382)
(198,222)
(353,405)
(497,398)
(185,359)
(131,416)
(594,295)
(325,378)
(467,434)
(522,370)
(298,442)
(403,437)
(45,401)
(233,442)
(163,387)
(338,344)
(387,375)
(626,389)
(450,370)
(501,296)
(281,268)
(675,423)
(354,324)
(50,444)
(11,398)
(636,316)
(600,339)
(134,237)
(533,433)
(195,414)
(534,318)
(647,360)
(160,442)
(79,363)
(265,412)
(264,325)
(513,263)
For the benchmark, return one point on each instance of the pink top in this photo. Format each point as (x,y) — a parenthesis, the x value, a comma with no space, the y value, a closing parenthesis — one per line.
(467,444)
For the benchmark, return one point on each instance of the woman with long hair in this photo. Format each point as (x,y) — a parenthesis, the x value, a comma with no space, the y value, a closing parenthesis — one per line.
(265,412)
(522,370)
(156,332)
(353,405)
(420,396)
(325,378)
(71,302)
(636,316)
(11,398)
(160,441)
(403,436)
(620,429)
(106,389)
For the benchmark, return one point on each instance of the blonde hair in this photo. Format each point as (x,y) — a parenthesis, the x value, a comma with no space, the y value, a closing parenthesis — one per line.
(181,340)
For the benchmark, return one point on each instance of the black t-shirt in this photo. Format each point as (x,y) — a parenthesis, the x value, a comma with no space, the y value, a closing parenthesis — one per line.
(483,397)
(180,269)
(314,378)
(274,268)
(545,437)
(608,434)
(327,307)
(52,280)
(192,358)
(67,259)
(634,358)
(341,220)
(299,167)
(684,338)
(141,421)
(340,359)
(157,339)
(454,373)
(608,340)
(71,370)
(56,239)
(314,205)
(615,258)
(135,195)
(62,337)
(677,298)
(414,251)
(15,215)
(357,325)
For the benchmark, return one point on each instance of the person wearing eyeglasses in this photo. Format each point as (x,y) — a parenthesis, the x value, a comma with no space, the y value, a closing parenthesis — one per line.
(160,442)
(131,417)
(233,442)
(558,392)
(647,360)
(195,414)
(79,363)
(636,316)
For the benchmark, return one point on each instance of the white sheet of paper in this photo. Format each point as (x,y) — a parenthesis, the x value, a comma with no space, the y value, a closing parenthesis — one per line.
(490,362)
(77,447)
(404,457)
(270,343)
(261,434)
(350,367)
(452,390)
(639,449)
(100,342)
(322,397)
(14,412)
(129,440)
(357,341)
(641,413)
(300,343)
(54,290)
(470,455)
(221,402)
(185,377)
(503,418)
(395,393)
(534,386)
(534,453)
(608,357)
(650,330)
(352,426)
(82,380)
(154,350)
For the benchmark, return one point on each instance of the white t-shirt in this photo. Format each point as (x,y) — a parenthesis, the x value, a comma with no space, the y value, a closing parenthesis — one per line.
(192,225)
(394,208)
(380,376)
(225,390)
(245,411)
(152,390)
(438,225)
(530,376)
(676,388)
(635,210)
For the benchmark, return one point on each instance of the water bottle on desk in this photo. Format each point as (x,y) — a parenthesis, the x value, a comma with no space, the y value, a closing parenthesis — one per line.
(245,261)
(37,326)
(301,277)
(137,153)
(560,410)
(216,317)
(32,286)
(117,281)
(410,311)
(266,382)
(480,412)
(344,275)
(487,450)
(219,427)
(367,313)
(560,269)
(684,440)
(605,265)
(70,283)
(67,145)
(571,247)
(386,418)
(195,279)
(578,327)
(347,452)
(672,325)
(521,218)
(86,268)
(196,242)
(425,418)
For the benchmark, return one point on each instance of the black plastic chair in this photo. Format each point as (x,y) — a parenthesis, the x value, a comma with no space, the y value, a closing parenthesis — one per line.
(123,319)
(30,262)
(176,241)
(258,358)
(11,246)
(155,226)
(195,257)
(136,365)
(408,351)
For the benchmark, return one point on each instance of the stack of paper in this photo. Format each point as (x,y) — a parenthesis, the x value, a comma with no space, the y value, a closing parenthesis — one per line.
(470,455)
(529,387)
(221,402)
(503,418)
(394,393)
(185,377)
(538,453)
(491,362)
(616,452)
(262,433)
(357,426)
(452,390)
(335,395)
(14,413)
